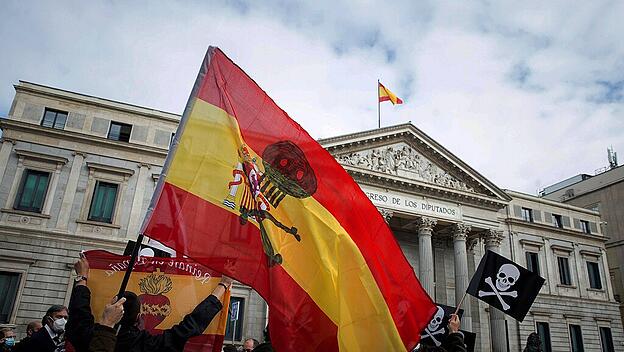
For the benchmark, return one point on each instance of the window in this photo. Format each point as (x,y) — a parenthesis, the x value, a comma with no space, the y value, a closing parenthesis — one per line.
(9,283)
(32,191)
(594,275)
(544,333)
(54,119)
(234,328)
(532,262)
(576,338)
(606,340)
(585,226)
(557,221)
(119,131)
(527,214)
(103,202)
(564,271)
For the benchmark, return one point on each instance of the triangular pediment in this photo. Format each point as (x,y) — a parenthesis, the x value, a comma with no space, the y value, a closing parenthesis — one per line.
(403,160)
(403,155)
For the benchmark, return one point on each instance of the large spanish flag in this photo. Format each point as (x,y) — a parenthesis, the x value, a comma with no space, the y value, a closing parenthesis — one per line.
(247,192)
(168,289)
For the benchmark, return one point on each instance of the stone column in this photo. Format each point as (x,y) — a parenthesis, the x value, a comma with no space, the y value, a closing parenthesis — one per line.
(5,153)
(493,239)
(425,250)
(137,211)
(70,191)
(460,233)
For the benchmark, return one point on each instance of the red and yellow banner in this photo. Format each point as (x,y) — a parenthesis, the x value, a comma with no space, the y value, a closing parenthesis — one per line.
(168,289)
(247,192)
(386,95)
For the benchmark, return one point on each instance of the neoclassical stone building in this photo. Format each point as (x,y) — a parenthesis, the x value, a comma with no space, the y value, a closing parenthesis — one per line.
(77,172)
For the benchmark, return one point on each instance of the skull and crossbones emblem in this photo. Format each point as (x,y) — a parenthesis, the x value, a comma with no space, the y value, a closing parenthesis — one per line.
(506,277)
(435,327)
(285,172)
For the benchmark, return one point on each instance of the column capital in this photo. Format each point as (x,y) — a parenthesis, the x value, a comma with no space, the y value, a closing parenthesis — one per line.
(144,165)
(79,153)
(493,238)
(460,231)
(386,214)
(425,224)
(471,243)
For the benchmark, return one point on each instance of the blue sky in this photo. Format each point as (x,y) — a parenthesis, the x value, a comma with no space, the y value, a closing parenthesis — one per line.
(527,95)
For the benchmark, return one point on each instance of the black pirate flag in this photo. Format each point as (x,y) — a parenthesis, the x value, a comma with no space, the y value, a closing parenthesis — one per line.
(437,330)
(505,285)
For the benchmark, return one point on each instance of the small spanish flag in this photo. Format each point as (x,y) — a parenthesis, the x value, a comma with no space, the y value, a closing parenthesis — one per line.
(385,94)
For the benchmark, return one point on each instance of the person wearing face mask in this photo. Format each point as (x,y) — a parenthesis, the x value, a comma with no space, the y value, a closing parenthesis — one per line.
(31,328)
(7,339)
(51,337)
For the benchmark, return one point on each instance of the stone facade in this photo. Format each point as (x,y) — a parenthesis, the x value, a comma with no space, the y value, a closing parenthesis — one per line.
(443,213)
(41,246)
(603,192)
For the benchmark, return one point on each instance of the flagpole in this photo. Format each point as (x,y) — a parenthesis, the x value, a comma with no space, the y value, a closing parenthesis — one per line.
(378,109)
(135,252)
(460,303)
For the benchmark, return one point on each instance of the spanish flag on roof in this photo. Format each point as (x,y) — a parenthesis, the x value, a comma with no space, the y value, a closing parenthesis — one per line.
(247,192)
(386,95)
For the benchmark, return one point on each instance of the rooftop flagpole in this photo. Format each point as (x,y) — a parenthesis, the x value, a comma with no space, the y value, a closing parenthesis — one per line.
(378,108)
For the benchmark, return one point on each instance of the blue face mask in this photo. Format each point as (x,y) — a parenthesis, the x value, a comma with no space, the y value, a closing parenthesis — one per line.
(9,341)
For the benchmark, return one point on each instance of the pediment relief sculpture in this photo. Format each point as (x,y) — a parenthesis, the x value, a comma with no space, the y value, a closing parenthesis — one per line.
(402,160)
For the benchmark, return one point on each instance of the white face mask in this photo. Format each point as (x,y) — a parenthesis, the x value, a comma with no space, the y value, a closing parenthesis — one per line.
(59,325)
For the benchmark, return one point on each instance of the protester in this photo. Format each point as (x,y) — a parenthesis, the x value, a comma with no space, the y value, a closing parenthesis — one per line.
(130,338)
(51,337)
(250,344)
(534,343)
(104,335)
(31,328)
(454,342)
(7,339)
(266,345)
(230,348)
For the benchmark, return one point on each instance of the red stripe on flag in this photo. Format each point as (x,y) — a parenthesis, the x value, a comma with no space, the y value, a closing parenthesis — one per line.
(411,308)
(289,303)
(384,98)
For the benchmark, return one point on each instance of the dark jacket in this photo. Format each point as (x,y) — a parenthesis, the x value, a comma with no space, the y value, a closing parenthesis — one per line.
(80,326)
(40,341)
(263,347)
(454,342)
(103,339)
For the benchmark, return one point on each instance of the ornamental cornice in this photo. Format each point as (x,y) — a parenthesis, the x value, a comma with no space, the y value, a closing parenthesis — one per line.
(367,177)
(40,156)
(12,127)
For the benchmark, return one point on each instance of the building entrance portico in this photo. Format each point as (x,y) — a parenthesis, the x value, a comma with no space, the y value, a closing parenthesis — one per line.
(441,212)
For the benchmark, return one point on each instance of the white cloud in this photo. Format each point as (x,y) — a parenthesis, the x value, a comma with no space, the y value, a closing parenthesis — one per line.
(527,96)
